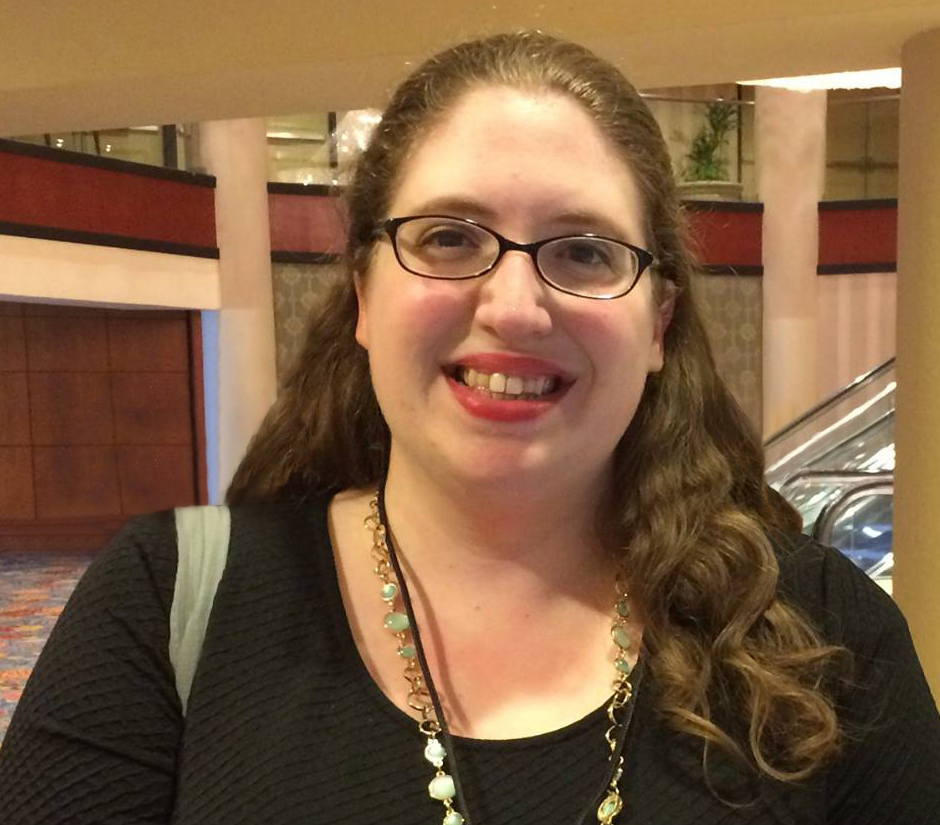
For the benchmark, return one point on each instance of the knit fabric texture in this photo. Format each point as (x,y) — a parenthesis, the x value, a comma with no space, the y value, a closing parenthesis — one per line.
(286,726)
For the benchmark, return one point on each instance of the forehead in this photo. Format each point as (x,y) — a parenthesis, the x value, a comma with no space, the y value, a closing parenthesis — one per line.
(528,157)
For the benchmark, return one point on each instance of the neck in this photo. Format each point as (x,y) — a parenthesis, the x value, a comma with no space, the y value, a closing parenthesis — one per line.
(526,543)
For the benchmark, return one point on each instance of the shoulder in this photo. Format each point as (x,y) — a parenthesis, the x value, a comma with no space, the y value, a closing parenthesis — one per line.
(852,611)
(145,551)
(847,606)
(140,558)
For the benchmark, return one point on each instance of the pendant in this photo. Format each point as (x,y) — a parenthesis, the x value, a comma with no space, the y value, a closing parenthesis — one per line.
(609,808)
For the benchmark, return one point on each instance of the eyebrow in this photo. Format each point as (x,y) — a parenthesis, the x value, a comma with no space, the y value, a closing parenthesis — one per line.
(462,207)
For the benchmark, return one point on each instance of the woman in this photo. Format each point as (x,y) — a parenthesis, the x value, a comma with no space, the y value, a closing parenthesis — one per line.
(505,441)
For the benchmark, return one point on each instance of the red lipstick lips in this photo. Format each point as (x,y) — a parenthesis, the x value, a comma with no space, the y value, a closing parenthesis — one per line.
(480,404)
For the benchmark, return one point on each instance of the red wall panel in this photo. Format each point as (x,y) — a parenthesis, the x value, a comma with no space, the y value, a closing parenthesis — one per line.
(721,237)
(63,194)
(306,223)
(858,233)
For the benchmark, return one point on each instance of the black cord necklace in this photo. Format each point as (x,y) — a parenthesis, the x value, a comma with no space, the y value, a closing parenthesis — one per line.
(624,699)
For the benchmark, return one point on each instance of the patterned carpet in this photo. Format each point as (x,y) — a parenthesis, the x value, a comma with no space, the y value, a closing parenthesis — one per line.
(34,588)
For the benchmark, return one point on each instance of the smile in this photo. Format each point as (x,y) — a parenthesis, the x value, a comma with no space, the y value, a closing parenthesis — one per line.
(507,387)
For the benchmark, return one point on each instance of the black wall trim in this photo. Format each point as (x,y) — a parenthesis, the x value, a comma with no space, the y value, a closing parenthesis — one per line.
(286,256)
(856,269)
(871,203)
(318,189)
(722,206)
(143,170)
(749,270)
(48,233)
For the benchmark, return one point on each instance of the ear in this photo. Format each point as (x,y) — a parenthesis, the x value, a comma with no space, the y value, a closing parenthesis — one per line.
(668,292)
(362,325)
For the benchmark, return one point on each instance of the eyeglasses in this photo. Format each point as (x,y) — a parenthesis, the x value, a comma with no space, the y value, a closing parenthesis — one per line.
(448,248)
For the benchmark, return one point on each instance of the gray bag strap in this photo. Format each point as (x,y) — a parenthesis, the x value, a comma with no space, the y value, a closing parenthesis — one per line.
(202,537)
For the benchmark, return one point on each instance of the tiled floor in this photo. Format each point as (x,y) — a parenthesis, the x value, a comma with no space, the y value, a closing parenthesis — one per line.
(34,588)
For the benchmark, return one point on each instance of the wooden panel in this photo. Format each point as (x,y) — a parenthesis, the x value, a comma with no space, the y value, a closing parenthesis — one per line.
(14,409)
(100,420)
(74,482)
(12,343)
(85,534)
(16,483)
(152,408)
(197,389)
(67,343)
(148,345)
(65,310)
(71,408)
(155,478)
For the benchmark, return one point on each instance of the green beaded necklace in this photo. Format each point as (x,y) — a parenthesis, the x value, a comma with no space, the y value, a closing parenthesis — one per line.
(423,697)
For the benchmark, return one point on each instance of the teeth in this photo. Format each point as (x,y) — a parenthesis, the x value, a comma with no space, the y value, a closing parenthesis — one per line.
(507,385)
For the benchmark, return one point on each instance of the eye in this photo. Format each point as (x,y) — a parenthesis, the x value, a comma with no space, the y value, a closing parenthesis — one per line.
(584,252)
(448,236)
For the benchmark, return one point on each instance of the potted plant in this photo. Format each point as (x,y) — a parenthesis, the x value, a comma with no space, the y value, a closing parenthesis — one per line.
(706,171)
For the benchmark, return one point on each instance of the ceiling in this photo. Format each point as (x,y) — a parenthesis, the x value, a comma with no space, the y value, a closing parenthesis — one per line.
(70,65)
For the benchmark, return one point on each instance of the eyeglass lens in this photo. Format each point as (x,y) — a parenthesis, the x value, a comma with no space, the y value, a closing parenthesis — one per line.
(448,248)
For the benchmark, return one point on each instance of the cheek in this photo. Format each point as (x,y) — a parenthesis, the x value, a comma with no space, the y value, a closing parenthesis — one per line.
(414,326)
(621,348)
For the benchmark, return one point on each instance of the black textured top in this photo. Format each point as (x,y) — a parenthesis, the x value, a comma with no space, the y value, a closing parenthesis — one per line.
(286,726)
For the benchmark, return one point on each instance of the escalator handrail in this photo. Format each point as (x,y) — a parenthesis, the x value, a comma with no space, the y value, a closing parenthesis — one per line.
(863,379)
(837,477)
(822,529)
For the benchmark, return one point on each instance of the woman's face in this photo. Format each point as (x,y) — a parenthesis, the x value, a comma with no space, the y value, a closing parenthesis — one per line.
(530,166)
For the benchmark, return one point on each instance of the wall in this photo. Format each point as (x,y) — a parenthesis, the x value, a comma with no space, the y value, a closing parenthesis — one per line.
(298,289)
(732,308)
(863,337)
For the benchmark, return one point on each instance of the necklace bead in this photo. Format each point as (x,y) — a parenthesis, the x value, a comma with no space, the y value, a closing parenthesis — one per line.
(453,818)
(435,753)
(620,636)
(442,787)
(623,666)
(396,622)
(389,591)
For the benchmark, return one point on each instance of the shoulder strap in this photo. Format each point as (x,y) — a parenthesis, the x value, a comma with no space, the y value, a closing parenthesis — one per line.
(202,537)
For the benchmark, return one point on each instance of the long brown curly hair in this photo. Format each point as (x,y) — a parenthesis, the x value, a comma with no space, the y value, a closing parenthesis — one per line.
(689,507)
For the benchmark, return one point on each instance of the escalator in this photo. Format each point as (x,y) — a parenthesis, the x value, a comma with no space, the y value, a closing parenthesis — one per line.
(835,464)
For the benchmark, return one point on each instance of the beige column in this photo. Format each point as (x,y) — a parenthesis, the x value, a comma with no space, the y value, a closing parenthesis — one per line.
(790,132)
(917,421)
(239,349)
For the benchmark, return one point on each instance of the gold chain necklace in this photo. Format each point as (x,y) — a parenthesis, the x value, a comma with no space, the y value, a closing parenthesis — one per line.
(422,697)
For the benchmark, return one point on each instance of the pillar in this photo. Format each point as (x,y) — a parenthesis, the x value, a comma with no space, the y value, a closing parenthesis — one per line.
(790,130)
(917,420)
(238,341)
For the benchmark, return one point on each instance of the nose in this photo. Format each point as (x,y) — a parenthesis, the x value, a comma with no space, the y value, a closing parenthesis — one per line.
(513,301)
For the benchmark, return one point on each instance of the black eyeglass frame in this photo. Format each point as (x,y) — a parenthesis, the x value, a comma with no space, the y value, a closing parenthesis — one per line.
(390,227)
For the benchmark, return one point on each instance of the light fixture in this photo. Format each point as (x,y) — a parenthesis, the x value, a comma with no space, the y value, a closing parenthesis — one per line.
(870,79)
